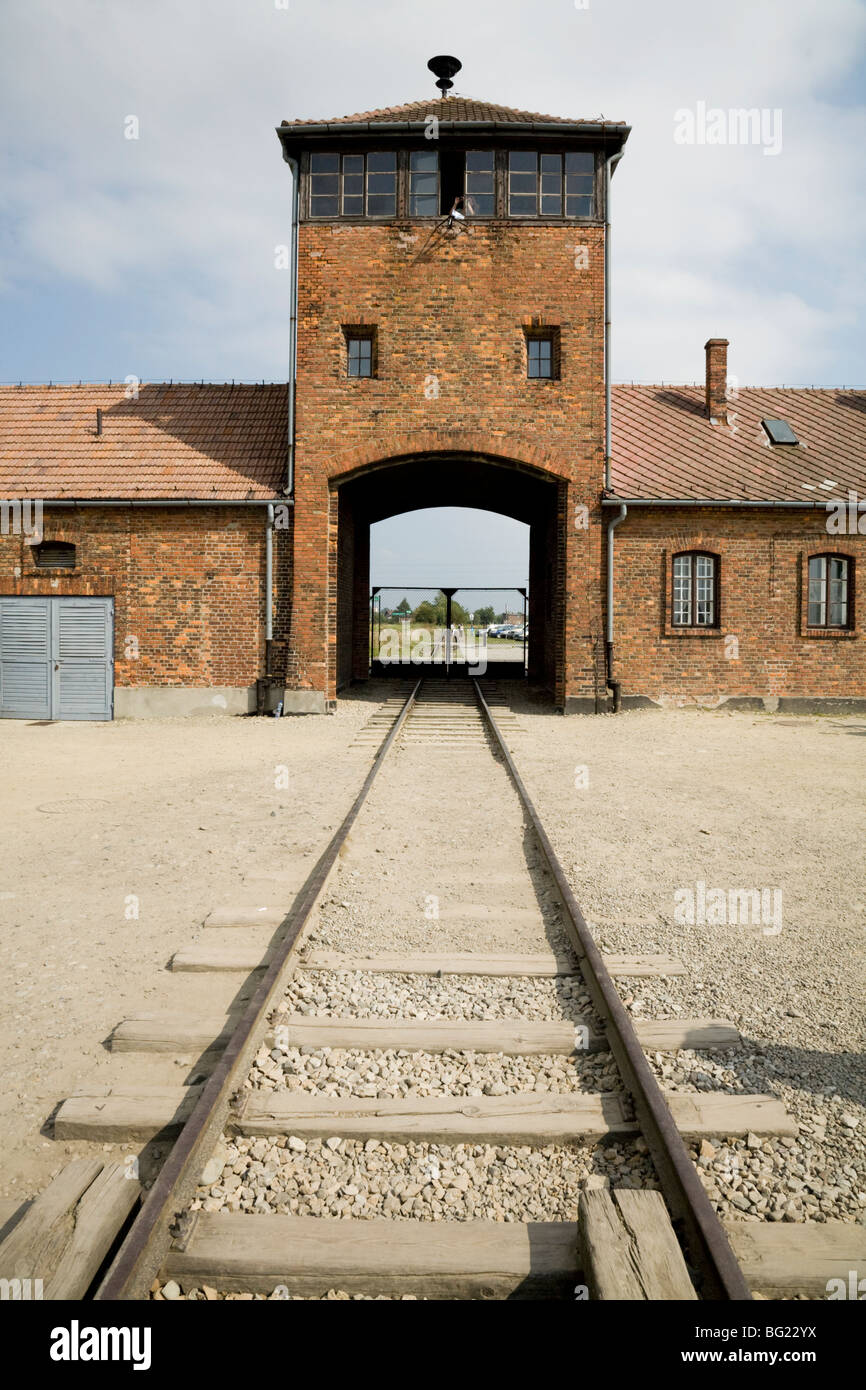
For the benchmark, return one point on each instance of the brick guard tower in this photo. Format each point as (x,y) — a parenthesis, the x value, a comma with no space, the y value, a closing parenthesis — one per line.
(450,352)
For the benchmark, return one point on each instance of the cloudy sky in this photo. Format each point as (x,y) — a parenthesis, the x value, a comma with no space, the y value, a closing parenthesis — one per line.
(156,256)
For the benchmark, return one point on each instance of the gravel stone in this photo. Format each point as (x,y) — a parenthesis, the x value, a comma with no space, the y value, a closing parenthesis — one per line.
(427,1182)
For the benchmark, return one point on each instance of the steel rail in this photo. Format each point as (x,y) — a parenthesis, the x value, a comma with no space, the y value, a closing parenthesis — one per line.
(702,1233)
(137,1262)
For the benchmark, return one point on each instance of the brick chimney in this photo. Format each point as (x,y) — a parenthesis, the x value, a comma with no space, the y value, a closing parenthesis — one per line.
(717,374)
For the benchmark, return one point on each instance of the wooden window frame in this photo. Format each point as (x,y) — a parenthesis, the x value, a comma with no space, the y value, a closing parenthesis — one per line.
(420,216)
(692,626)
(828,629)
(550,217)
(548,333)
(483,216)
(353,332)
(365,216)
(402,212)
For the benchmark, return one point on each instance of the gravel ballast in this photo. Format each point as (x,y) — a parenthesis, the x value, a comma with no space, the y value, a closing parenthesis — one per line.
(339,1177)
(325,994)
(389,1074)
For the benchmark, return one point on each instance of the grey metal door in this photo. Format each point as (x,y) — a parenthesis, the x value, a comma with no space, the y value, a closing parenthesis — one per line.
(56,658)
(25,658)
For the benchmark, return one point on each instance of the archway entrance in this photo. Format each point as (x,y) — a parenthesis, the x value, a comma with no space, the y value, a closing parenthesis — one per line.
(525,493)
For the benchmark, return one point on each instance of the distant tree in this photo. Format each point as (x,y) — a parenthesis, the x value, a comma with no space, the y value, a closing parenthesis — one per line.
(426,613)
(404,607)
(483,616)
(434,613)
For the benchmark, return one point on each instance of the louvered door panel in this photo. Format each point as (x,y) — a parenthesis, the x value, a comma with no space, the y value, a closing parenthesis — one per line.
(82,649)
(25,658)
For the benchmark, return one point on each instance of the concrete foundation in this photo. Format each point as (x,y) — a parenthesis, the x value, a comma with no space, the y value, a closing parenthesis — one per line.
(159,702)
(306,702)
(758,704)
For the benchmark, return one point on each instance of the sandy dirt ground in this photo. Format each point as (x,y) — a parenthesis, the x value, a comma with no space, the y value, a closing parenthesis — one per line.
(170,813)
(655,813)
(173,813)
(670,799)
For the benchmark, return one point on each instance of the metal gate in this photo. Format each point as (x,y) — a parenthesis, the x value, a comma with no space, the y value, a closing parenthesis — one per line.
(56,658)
(447,631)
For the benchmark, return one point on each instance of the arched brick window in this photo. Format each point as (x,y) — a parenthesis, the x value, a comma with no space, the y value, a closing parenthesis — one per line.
(54,555)
(695,589)
(831,590)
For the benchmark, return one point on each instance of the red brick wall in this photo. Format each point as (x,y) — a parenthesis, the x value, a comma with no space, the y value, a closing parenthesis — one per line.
(453,309)
(763,559)
(189,585)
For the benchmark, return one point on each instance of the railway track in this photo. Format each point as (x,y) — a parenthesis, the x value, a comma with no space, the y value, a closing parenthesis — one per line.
(431,1048)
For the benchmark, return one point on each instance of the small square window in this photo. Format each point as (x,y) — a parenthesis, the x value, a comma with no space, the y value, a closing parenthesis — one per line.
(360,351)
(540,357)
(542,353)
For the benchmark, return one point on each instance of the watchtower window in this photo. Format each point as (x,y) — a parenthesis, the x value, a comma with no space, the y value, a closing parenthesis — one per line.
(432,182)
(522,184)
(437,179)
(579,184)
(538,184)
(381,184)
(324,185)
(423,183)
(480,183)
(452,164)
(353,185)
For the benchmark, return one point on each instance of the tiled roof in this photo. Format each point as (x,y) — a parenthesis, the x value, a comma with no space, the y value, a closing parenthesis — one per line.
(205,442)
(228,443)
(663,444)
(451,109)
